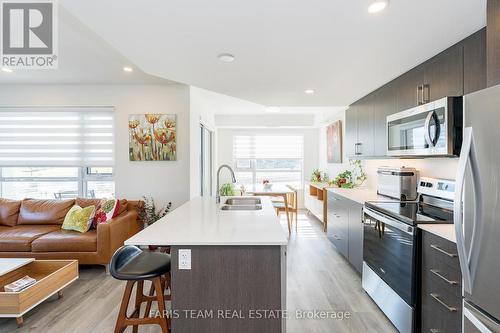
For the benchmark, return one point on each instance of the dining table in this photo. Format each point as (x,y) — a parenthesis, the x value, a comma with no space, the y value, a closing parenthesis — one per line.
(274,190)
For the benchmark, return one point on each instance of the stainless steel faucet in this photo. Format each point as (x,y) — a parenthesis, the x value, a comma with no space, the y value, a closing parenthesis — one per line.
(233,178)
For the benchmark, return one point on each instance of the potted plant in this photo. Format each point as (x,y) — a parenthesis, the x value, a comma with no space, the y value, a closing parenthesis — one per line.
(350,178)
(149,214)
(318,176)
(227,190)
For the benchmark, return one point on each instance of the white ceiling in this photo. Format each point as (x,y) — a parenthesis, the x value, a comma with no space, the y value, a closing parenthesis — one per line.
(281,46)
(84,58)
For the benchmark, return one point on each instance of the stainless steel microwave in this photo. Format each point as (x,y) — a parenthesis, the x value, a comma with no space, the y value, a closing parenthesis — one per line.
(432,129)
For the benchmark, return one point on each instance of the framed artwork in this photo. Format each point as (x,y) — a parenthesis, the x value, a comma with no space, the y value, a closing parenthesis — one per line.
(152,137)
(334,142)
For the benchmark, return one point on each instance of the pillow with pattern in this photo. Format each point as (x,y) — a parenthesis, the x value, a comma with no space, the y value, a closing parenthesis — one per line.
(107,209)
(78,218)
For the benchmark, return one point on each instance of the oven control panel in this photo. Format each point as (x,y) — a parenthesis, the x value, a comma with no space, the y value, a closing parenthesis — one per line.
(442,188)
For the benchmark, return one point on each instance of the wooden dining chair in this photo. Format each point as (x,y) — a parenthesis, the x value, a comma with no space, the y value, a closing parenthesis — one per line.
(292,200)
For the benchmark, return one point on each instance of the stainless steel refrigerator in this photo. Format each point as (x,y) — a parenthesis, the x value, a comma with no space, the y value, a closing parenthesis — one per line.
(477,211)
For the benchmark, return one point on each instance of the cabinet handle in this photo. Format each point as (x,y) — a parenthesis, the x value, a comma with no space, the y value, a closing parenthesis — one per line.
(420,93)
(435,330)
(437,248)
(449,308)
(356,150)
(436,272)
(428,98)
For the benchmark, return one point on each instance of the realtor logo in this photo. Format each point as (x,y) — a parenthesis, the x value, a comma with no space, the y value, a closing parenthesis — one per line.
(29,34)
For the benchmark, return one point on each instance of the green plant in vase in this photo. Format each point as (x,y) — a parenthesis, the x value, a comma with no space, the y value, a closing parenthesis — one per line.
(350,178)
(318,176)
(227,190)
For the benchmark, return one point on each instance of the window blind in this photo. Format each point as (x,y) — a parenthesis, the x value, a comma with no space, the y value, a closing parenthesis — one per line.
(268,146)
(59,136)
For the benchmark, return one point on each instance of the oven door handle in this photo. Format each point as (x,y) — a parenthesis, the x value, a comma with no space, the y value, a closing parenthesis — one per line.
(389,221)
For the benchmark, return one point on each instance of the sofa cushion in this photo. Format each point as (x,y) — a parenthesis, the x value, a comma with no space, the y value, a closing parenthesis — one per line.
(20,237)
(9,211)
(35,211)
(79,219)
(85,202)
(66,241)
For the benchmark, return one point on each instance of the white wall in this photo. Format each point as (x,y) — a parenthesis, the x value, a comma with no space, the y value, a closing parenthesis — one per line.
(225,147)
(332,169)
(431,167)
(165,181)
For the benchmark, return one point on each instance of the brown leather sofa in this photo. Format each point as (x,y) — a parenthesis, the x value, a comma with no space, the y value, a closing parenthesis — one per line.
(32,228)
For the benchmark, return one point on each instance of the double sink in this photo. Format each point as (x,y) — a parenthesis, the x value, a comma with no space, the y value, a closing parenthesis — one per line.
(242,204)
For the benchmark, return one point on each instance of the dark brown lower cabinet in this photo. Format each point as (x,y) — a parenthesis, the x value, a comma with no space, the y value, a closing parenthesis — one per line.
(345,228)
(441,286)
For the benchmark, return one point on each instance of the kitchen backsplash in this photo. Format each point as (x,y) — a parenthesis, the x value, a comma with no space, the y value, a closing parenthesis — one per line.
(430,167)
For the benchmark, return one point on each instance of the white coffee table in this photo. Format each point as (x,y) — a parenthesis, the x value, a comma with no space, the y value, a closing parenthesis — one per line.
(8,265)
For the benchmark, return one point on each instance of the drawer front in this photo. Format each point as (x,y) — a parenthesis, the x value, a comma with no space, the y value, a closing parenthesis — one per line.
(441,310)
(437,249)
(441,291)
(340,242)
(442,275)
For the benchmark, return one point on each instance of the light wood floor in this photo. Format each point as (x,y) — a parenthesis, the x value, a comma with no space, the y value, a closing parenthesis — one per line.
(318,279)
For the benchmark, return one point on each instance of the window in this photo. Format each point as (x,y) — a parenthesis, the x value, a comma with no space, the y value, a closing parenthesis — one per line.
(56,152)
(278,158)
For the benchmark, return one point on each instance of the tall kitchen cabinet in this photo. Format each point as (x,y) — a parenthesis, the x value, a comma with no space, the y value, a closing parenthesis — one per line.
(345,228)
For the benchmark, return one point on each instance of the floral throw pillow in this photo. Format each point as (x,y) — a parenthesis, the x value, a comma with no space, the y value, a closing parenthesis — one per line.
(108,209)
(79,219)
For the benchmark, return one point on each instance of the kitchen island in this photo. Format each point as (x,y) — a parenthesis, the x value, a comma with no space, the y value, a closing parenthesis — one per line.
(228,266)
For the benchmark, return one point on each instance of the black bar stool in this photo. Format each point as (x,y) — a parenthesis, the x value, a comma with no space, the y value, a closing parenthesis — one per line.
(133,265)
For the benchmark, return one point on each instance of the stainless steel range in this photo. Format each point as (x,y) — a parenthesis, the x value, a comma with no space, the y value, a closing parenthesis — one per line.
(390,247)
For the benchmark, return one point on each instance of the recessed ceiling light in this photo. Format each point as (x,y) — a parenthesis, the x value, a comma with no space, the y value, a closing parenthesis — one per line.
(309,91)
(226,57)
(273,109)
(128,69)
(377,6)
(7,70)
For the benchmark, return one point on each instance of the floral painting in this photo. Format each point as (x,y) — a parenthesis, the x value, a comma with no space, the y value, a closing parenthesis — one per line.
(152,137)
(334,142)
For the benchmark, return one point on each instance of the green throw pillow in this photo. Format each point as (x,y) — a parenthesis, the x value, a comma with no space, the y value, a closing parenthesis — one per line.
(79,219)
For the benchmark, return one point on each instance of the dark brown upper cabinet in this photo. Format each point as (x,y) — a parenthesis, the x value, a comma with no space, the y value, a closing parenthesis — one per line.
(351,130)
(409,88)
(493,42)
(384,104)
(444,75)
(475,62)
(359,129)
(365,142)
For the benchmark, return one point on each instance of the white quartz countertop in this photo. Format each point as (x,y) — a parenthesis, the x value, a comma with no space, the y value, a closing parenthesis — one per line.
(446,231)
(360,194)
(200,221)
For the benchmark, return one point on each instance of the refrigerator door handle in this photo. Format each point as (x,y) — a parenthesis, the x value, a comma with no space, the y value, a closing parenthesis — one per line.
(468,260)
(482,323)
